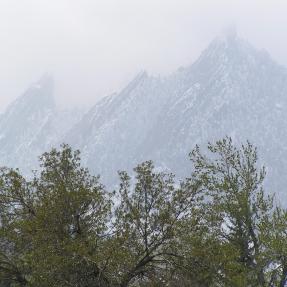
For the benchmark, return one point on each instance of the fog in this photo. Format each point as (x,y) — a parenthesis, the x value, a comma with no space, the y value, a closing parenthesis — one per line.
(94,47)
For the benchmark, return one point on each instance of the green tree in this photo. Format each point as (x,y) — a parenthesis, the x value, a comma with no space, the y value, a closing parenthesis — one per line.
(237,210)
(16,208)
(72,209)
(275,240)
(53,227)
(148,221)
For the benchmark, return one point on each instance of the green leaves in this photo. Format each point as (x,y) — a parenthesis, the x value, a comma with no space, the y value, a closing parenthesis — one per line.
(215,228)
(148,219)
(238,213)
(54,222)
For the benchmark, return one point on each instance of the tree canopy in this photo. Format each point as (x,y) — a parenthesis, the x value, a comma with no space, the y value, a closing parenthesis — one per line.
(218,227)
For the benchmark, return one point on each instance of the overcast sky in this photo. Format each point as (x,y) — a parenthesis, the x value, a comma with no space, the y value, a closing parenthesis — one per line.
(94,47)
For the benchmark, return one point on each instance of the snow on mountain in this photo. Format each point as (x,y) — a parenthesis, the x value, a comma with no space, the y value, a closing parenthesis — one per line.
(232,89)
(32,125)
(112,132)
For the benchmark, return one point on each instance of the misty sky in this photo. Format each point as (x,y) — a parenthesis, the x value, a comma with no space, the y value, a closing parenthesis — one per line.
(94,47)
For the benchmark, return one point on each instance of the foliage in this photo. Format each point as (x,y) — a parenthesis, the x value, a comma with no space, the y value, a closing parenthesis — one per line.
(215,228)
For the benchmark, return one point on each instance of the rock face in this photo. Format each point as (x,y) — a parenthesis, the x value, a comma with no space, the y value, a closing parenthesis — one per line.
(31,125)
(232,89)
(23,124)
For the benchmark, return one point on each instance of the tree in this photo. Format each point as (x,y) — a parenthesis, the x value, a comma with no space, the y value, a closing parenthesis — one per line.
(237,209)
(275,240)
(59,222)
(72,209)
(15,208)
(148,221)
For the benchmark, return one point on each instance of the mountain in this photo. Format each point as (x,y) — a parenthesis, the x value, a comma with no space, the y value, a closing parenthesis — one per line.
(232,89)
(32,125)
(111,135)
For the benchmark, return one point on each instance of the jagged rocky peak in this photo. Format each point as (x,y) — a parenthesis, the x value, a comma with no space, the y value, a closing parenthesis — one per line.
(39,96)
(142,75)
(42,91)
(228,45)
(229,33)
(139,79)
(232,59)
(29,111)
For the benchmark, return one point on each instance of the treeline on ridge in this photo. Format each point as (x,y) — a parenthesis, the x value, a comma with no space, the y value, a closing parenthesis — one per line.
(216,228)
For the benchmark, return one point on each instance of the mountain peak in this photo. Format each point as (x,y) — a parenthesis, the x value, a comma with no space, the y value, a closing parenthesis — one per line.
(46,81)
(39,94)
(230,52)
(37,99)
(140,76)
(137,80)
(229,33)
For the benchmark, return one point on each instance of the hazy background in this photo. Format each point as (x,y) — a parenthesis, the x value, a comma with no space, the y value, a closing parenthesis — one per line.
(94,47)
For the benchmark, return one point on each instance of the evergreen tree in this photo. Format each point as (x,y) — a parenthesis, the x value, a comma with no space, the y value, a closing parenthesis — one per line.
(237,211)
